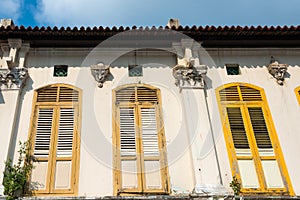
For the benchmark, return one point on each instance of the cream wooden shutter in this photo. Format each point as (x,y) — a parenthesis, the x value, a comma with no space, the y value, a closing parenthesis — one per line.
(129,161)
(64,149)
(150,148)
(55,140)
(42,148)
(65,133)
(139,140)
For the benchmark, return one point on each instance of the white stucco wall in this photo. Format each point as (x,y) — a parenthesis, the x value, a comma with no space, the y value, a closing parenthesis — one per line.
(8,105)
(281,100)
(191,153)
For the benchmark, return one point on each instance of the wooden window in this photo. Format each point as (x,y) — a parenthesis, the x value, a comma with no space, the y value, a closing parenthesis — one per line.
(140,155)
(297,92)
(252,143)
(55,140)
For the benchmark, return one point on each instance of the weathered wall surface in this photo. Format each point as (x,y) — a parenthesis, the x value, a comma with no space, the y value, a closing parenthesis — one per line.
(193,158)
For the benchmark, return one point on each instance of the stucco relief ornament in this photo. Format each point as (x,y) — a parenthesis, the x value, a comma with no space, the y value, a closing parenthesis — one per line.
(12,79)
(278,71)
(100,73)
(190,75)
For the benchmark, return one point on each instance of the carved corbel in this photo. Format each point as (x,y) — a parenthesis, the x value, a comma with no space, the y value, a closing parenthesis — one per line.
(12,79)
(100,73)
(189,76)
(10,52)
(278,71)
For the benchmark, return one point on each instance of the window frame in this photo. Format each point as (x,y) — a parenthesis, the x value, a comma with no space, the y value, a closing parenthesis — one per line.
(75,159)
(233,158)
(297,92)
(117,172)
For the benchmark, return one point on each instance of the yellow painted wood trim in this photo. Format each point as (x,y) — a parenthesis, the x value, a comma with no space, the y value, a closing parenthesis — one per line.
(165,181)
(288,190)
(75,160)
(296,90)
(134,85)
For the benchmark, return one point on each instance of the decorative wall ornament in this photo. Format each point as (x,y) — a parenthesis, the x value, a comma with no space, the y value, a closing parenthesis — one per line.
(12,79)
(277,70)
(189,76)
(188,72)
(100,73)
(12,71)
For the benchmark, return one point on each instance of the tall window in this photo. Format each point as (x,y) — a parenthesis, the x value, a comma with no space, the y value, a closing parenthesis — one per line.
(252,143)
(55,140)
(140,149)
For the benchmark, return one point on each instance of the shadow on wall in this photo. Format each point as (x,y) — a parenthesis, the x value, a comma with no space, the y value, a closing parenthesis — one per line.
(1,98)
(13,139)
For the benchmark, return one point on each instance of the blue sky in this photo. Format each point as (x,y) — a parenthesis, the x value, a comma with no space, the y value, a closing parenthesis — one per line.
(150,12)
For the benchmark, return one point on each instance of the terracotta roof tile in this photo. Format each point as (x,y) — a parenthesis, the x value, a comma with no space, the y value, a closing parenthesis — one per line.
(203,33)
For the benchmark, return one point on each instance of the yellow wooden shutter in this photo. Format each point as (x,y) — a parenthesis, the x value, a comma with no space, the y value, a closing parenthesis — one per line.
(146,95)
(126,95)
(259,127)
(47,94)
(237,128)
(250,94)
(257,158)
(229,94)
(67,95)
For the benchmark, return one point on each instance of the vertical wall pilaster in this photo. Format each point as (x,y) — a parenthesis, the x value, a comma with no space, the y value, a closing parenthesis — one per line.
(189,76)
(12,78)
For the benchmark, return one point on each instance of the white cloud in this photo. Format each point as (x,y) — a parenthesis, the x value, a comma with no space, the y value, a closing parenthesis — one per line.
(10,9)
(157,12)
(95,12)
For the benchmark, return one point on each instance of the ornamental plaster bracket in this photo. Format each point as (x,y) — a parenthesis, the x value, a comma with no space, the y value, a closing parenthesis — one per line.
(188,72)
(100,73)
(277,70)
(12,71)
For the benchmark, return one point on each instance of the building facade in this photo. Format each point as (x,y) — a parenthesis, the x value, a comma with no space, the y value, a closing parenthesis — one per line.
(173,110)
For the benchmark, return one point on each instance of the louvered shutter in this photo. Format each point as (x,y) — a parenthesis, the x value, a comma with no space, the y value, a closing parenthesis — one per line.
(55,140)
(229,94)
(241,144)
(233,93)
(150,148)
(237,128)
(65,133)
(127,132)
(136,94)
(140,157)
(67,94)
(126,95)
(57,94)
(47,94)
(255,160)
(42,148)
(250,94)
(43,132)
(149,132)
(146,95)
(259,128)
(129,161)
